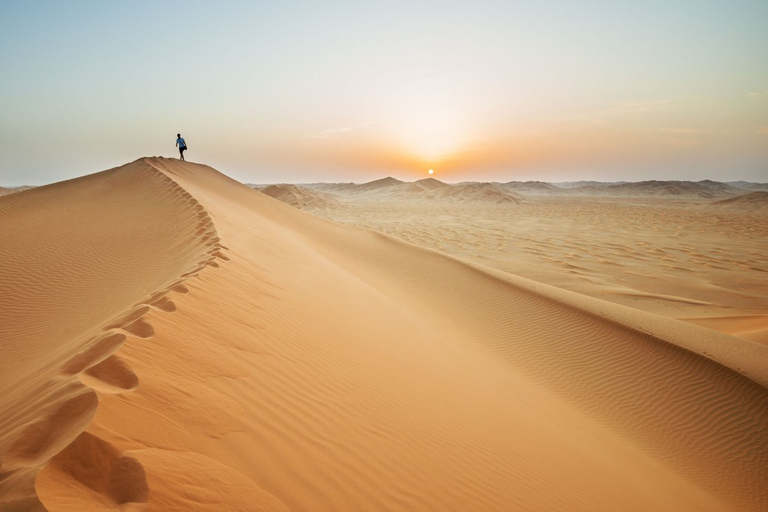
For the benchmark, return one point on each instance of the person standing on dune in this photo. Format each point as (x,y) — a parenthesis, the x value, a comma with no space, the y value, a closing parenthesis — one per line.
(181,144)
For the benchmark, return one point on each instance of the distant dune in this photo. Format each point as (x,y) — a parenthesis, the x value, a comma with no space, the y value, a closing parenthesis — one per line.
(532,187)
(585,183)
(428,189)
(746,185)
(383,183)
(705,189)
(515,192)
(682,189)
(754,200)
(298,196)
(432,184)
(480,192)
(171,339)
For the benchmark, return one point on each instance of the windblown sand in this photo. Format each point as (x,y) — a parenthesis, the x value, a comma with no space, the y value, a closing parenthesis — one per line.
(173,340)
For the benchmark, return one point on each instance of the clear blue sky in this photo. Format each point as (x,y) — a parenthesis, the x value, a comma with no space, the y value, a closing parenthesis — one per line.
(352,91)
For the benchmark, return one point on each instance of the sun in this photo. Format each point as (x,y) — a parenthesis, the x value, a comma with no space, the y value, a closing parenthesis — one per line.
(431,171)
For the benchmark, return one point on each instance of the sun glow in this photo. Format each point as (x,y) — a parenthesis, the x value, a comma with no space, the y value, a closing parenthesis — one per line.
(427,129)
(432,143)
(431,171)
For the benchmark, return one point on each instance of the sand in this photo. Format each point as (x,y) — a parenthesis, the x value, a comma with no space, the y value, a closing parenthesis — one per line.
(700,260)
(173,340)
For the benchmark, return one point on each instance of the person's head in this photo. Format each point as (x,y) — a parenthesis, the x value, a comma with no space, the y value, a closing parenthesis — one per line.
(178,135)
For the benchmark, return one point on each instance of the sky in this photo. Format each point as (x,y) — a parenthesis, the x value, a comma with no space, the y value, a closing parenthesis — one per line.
(344,90)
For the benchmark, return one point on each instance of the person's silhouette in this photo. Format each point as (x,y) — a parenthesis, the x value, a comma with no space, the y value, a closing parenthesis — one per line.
(181,144)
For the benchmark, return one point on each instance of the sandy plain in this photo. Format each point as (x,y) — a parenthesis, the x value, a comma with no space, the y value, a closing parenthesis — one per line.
(171,339)
(698,259)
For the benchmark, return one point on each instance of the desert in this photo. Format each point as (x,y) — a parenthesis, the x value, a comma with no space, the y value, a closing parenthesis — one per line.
(172,339)
(686,250)
(402,256)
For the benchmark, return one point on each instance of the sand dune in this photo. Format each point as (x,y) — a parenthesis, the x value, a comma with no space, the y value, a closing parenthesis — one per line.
(682,258)
(752,201)
(532,187)
(516,191)
(654,188)
(746,185)
(295,195)
(434,190)
(383,183)
(83,262)
(174,340)
(752,327)
(427,189)
(431,184)
(478,192)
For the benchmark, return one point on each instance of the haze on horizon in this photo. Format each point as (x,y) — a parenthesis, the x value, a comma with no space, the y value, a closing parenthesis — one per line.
(353,91)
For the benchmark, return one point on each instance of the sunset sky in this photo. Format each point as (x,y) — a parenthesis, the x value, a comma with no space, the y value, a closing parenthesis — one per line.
(307,91)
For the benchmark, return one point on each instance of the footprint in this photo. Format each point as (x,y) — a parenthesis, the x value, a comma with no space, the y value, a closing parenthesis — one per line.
(164,304)
(47,436)
(100,466)
(112,376)
(100,350)
(180,288)
(130,317)
(128,481)
(89,460)
(221,255)
(140,328)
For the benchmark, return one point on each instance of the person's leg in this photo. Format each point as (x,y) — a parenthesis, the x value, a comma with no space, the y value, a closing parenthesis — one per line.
(181,153)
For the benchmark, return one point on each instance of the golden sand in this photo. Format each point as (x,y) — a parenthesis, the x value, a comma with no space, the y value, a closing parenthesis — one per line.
(173,340)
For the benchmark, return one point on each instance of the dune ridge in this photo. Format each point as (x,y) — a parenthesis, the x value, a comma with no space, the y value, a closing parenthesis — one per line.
(318,367)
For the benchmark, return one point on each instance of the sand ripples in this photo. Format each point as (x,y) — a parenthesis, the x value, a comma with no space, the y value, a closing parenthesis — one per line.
(316,367)
(81,263)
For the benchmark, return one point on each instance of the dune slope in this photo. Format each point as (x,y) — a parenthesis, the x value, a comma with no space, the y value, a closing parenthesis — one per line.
(311,366)
(81,263)
(754,200)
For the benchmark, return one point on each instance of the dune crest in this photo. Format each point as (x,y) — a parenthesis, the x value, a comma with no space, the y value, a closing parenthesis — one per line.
(253,357)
